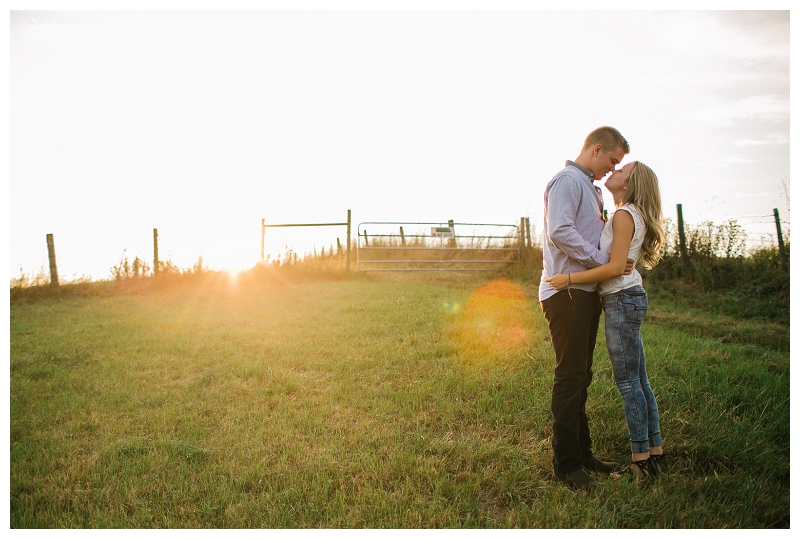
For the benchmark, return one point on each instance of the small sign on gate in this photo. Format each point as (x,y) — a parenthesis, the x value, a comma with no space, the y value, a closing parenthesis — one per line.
(442,232)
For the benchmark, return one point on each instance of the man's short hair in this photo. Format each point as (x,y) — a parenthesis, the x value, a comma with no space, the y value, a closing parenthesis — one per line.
(610,138)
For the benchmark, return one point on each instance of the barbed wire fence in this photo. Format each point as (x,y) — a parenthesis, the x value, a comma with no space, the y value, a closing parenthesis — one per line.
(758,231)
(734,237)
(749,233)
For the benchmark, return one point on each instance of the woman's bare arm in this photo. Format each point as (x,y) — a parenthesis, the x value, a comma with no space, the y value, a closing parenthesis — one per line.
(623,228)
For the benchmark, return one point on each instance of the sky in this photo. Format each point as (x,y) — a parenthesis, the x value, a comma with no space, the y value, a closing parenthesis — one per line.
(203,123)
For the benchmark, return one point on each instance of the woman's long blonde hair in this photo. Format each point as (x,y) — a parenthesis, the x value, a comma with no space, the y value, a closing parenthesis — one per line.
(643,192)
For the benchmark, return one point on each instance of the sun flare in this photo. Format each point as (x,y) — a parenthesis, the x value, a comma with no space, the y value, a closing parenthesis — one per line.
(494,325)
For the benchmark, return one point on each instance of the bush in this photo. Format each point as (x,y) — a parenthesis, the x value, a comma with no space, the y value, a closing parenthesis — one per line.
(125,269)
(756,282)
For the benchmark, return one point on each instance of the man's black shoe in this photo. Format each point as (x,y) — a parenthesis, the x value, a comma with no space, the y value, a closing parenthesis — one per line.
(578,479)
(595,465)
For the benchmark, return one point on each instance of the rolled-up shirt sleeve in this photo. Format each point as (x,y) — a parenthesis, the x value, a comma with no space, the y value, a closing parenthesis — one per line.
(563,200)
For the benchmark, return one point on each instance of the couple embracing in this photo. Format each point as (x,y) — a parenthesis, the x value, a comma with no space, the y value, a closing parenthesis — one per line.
(589,266)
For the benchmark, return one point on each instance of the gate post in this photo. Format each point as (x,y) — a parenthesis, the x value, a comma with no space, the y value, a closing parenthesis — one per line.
(348,240)
(528,231)
(262,241)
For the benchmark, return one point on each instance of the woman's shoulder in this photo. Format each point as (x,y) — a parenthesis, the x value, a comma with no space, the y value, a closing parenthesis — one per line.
(633,211)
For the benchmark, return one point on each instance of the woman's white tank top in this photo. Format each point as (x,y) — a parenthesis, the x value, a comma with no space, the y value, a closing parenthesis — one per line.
(623,281)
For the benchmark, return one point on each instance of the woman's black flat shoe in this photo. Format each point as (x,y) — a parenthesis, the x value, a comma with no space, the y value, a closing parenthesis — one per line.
(659,462)
(643,469)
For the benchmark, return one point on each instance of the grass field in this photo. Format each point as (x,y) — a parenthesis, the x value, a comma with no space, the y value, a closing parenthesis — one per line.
(372,402)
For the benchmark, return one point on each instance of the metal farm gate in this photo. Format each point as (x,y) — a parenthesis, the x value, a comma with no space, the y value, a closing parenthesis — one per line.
(396,246)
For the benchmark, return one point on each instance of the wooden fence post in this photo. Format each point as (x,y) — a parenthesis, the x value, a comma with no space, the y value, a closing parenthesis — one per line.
(155,252)
(682,236)
(781,247)
(348,240)
(528,230)
(402,236)
(262,240)
(51,253)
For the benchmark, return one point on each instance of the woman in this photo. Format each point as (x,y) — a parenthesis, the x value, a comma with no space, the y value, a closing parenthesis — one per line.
(634,231)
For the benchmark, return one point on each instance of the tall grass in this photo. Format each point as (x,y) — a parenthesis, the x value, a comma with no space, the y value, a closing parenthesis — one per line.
(126,276)
(721,275)
(280,401)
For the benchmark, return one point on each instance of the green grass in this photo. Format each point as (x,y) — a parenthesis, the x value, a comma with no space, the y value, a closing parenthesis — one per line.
(369,402)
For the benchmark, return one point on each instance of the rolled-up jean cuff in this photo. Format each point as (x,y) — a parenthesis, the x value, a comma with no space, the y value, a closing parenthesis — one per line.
(644,447)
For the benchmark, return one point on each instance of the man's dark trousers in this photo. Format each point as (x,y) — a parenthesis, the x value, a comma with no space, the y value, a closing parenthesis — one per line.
(573,317)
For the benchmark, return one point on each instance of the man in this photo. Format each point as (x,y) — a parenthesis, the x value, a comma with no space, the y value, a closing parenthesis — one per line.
(573,222)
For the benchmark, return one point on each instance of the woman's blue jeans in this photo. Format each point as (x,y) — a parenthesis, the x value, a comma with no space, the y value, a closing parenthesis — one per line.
(624,312)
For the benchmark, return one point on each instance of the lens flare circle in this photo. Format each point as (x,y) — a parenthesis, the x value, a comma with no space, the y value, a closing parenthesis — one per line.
(494,324)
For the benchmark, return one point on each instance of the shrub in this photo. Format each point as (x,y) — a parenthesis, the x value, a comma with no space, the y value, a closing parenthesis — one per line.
(125,269)
(756,282)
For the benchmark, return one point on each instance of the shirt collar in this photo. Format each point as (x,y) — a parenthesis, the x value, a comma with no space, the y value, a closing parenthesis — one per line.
(585,170)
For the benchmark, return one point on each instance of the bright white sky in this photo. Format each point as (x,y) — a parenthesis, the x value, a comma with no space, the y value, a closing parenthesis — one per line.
(202,123)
